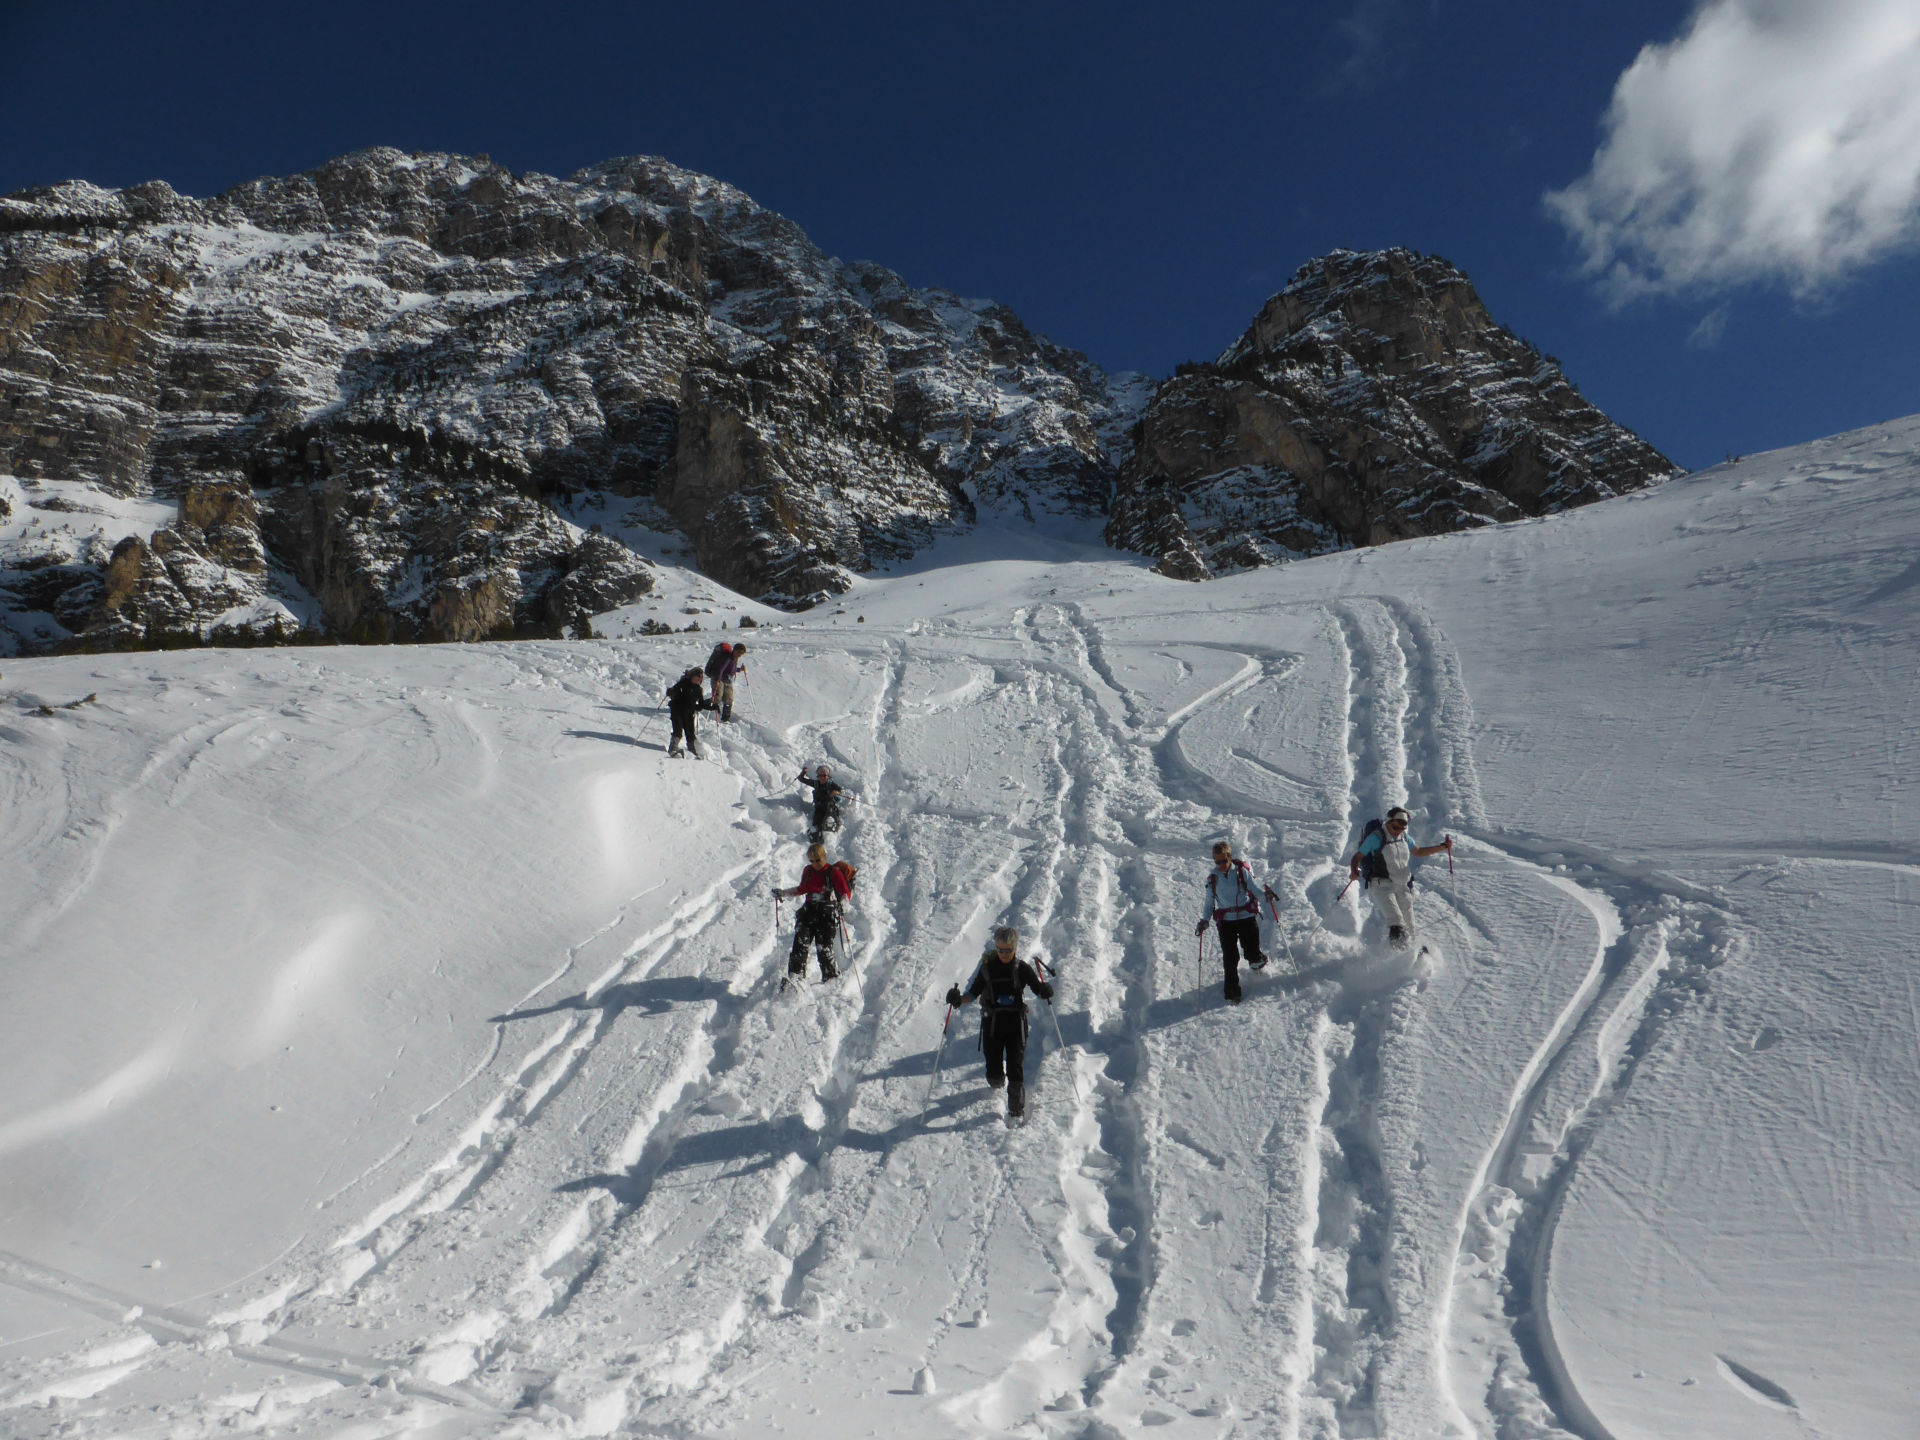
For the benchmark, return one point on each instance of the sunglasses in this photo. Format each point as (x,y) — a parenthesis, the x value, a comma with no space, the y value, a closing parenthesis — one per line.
(1396,824)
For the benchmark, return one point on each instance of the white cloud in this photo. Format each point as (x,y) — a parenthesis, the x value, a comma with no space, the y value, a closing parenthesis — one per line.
(1775,141)
(1711,330)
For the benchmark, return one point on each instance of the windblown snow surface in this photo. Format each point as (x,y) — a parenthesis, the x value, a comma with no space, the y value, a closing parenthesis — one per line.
(390,1042)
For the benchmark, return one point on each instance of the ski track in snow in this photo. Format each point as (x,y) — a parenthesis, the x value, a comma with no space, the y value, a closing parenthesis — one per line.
(751,1143)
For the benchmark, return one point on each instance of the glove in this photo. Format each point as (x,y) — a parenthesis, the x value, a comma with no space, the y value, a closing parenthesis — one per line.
(954,997)
(778,893)
(1271,896)
(1201,928)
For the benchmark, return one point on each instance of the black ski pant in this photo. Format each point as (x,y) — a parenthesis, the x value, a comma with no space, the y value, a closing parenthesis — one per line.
(1235,936)
(1004,1038)
(826,819)
(682,728)
(816,926)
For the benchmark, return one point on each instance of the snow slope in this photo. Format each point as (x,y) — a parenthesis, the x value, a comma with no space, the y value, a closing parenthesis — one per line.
(392,1044)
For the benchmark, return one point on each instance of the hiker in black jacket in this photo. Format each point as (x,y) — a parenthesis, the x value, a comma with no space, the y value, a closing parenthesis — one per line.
(686,696)
(827,795)
(998,983)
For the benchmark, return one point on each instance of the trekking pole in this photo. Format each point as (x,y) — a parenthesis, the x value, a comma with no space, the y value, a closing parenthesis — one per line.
(846,954)
(1274,911)
(1199,975)
(647,729)
(938,1056)
(1054,1015)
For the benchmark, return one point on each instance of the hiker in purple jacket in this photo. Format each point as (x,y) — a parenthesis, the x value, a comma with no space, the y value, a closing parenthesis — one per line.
(734,665)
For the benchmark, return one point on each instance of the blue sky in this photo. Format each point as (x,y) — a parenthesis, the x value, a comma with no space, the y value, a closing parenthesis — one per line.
(1135,180)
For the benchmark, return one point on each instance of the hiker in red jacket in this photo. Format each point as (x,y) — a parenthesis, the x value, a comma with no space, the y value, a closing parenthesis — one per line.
(824,888)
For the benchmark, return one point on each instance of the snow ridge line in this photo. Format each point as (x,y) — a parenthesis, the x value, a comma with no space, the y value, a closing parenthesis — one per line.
(1653,973)
(1105,1118)
(491,1137)
(169,1325)
(1348,1214)
(575,1251)
(1451,792)
(850,1046)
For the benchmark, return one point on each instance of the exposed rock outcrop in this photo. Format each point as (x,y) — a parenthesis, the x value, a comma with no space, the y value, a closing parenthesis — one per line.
(1373,399)
(356,399)
(403,358)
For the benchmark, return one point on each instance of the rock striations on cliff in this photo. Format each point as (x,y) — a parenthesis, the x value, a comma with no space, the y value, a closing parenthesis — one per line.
(360,389)
(1373,399)
(361,399)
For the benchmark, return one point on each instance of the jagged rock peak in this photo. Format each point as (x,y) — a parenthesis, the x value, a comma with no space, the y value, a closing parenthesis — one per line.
(1421,307)
(1372,399)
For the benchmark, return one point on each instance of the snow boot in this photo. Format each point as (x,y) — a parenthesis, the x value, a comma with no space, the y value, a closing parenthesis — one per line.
(1016,1101)
(829,970)
(1397,937)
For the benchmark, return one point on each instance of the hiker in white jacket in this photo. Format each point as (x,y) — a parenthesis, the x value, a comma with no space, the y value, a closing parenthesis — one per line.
(1387,856)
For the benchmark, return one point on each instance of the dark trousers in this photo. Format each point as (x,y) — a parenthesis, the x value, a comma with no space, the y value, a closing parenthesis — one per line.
(1235,936)
(816,926)
(682,727)
(826,819)
(1004,1038)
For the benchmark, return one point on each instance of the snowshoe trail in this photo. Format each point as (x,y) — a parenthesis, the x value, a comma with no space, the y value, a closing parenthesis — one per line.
(658,1194)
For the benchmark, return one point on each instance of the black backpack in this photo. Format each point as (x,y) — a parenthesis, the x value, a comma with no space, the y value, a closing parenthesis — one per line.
(1000,992)
(1373,865)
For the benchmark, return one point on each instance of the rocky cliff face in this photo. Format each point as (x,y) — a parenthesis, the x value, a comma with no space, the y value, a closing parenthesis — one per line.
(361,387)
(1373,399)
(355,398)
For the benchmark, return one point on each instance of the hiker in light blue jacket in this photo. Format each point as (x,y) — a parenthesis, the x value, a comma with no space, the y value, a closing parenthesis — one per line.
(1230,900)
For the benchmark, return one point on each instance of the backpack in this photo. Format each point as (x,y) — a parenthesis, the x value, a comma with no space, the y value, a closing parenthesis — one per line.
(847,871)
(1373,865)
(1000,992)
(1246,879)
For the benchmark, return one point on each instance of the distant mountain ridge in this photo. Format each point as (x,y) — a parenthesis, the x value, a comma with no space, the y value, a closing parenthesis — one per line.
(362,388)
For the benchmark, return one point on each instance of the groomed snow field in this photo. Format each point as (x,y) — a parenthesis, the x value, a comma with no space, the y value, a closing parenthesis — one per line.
(391,1042)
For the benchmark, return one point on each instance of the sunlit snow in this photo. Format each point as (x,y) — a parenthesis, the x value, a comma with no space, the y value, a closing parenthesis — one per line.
(391,1044)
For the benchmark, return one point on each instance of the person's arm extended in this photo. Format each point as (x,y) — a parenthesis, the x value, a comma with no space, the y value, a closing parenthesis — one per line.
(957,997)
(1422,851)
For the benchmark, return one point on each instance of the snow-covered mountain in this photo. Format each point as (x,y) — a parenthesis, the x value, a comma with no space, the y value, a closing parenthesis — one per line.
(392,398)
(392,1044)
(1371,400)
(364,385)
